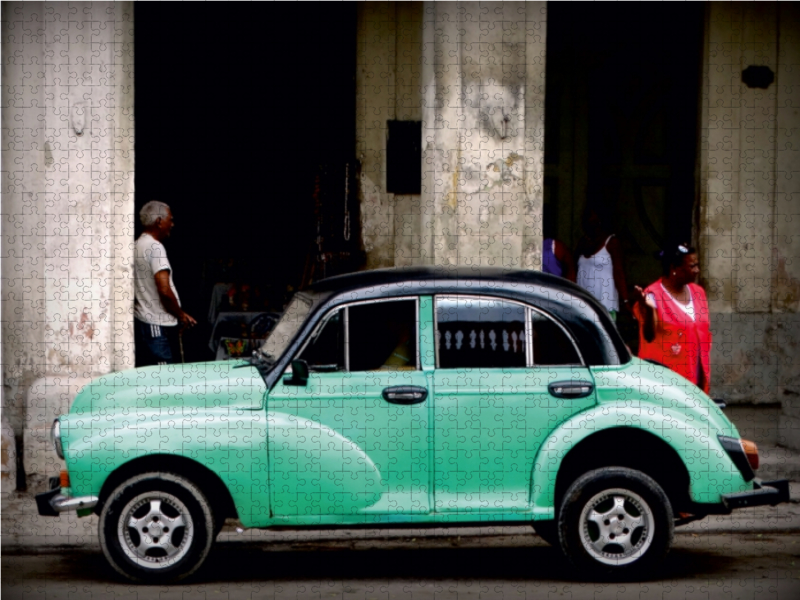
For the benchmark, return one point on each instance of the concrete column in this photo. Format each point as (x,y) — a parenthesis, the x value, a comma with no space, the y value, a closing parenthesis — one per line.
(376,73)
(67,205)
(474,74)
(408,60)
(750,205)
(483,132)
(740,175)
(785,283)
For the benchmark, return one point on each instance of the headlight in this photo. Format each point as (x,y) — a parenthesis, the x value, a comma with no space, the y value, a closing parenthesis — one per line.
(55,437)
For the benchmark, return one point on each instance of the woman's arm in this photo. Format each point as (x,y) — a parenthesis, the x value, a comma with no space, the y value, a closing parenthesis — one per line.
(646,313)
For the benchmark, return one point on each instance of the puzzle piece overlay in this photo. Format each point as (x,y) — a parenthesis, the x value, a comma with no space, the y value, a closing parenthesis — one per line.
(474,74)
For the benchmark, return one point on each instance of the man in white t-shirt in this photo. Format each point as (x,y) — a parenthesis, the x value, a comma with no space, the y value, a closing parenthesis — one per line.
(156,309)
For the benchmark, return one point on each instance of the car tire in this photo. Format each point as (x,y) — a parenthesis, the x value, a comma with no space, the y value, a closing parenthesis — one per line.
(156,528)
(615,522)
(548,531)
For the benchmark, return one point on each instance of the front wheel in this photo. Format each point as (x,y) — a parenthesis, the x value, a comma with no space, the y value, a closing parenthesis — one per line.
(615,521)
(156,528)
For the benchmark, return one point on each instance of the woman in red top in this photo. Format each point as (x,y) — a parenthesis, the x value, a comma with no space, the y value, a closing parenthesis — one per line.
(673,318)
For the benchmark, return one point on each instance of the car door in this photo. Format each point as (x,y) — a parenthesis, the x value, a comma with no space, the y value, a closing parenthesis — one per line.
(506,375)
(353,440)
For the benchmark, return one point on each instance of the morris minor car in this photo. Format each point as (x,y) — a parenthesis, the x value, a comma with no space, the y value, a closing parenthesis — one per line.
(408,397)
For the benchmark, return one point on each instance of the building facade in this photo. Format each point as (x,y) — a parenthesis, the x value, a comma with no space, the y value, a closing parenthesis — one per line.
(472,76)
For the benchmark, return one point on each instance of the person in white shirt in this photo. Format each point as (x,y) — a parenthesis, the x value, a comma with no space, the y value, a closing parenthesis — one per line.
(156,308)
(600,264)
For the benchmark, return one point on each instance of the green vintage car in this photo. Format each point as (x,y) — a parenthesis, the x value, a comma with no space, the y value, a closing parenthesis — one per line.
(416,397)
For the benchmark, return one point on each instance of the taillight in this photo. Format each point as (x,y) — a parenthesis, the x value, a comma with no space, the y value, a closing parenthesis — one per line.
(751,451)
(745,461)
(64,479)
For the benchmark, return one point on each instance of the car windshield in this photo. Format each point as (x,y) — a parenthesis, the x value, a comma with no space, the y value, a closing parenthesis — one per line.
(287,327)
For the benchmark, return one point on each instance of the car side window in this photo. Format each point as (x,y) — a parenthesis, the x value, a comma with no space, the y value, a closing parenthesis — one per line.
(480,333)
(366,337)
(382,336)
(325,350)
(551,346)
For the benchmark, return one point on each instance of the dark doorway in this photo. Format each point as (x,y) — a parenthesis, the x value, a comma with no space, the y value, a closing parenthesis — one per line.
(241,112)
(621,125)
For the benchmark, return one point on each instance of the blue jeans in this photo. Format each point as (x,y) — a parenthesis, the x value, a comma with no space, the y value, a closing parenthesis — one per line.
(154,343)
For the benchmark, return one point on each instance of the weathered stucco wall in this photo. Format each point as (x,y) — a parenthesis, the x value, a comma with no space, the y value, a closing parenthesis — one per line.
(67,206)
(750,199)
(474,74)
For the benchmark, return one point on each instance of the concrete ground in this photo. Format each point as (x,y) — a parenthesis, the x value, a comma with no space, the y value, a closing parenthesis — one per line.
(699,567)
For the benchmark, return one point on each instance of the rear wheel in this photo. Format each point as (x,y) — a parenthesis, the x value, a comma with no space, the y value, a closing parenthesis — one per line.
(615,521)
(156,528)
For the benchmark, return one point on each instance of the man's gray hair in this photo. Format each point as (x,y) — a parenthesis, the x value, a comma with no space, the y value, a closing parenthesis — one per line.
(152,211)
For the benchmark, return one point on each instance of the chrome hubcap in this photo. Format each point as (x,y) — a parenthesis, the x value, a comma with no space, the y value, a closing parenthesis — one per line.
(155,530)
(616,527)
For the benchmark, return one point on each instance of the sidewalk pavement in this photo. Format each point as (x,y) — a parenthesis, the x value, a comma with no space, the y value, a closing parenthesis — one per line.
(25,532)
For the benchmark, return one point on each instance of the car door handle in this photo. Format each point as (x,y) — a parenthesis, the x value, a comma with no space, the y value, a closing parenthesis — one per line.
(405,394)
(570,389)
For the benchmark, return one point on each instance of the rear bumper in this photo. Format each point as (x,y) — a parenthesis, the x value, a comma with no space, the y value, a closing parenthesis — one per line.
(53,503)
(764,493)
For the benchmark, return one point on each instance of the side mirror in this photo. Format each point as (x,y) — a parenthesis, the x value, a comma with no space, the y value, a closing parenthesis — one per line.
(299,373)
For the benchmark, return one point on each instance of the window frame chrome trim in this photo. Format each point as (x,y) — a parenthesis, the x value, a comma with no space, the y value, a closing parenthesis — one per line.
(346,316)
(529,336)
(529,310)
(345,307)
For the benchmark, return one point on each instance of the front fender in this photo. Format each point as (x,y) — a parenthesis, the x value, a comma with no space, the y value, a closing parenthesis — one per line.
(711,471)
(317,470)
(231,442)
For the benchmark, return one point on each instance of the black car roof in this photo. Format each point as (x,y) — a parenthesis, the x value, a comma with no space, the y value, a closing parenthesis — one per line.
(574,307)
(446,275)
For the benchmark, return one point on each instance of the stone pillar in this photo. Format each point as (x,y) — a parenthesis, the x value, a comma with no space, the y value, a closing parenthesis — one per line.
(785,264)
(474,74)
(408,107)
(67,207)
(483,133)
(750,203)
(375,105)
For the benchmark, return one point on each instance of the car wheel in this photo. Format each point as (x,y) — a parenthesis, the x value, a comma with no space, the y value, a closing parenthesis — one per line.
(615,521)
(548,531)
(156,528)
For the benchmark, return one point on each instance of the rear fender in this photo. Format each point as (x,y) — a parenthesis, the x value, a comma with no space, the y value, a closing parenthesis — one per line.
(711,471)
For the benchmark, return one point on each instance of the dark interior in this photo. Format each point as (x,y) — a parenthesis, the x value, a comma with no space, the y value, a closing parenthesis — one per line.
(379,330)
(245,125)
(621,127)
(245,122)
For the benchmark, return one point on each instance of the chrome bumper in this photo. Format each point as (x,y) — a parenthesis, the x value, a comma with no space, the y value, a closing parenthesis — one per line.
(53,503)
